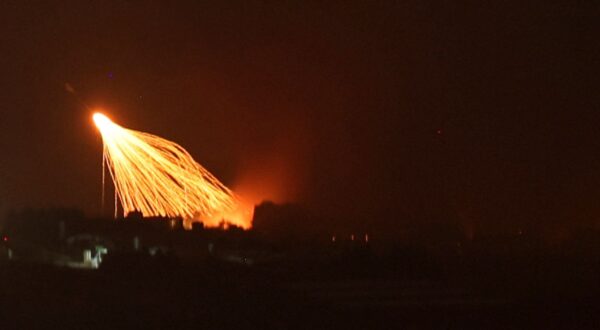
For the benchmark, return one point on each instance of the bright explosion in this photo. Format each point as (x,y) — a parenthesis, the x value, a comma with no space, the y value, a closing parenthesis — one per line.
(158,177)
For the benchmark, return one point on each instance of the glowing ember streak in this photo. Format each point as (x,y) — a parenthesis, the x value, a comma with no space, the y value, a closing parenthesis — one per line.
(158,177)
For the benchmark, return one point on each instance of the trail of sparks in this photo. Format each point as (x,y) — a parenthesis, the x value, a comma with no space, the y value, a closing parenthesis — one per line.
(158,177)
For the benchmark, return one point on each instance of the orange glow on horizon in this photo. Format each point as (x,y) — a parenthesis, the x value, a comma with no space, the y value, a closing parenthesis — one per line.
(274,177)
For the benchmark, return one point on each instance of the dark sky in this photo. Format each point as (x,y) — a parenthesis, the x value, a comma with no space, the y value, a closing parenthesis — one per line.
(371,113)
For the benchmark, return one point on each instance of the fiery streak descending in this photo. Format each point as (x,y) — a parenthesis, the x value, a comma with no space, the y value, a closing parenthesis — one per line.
(158,177)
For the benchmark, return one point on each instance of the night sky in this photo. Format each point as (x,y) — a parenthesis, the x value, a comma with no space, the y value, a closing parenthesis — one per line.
(369,113)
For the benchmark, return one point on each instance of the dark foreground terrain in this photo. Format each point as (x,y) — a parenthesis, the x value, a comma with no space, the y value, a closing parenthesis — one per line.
(216,295)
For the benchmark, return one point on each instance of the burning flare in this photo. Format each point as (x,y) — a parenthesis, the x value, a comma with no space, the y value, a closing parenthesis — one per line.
(158,177)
